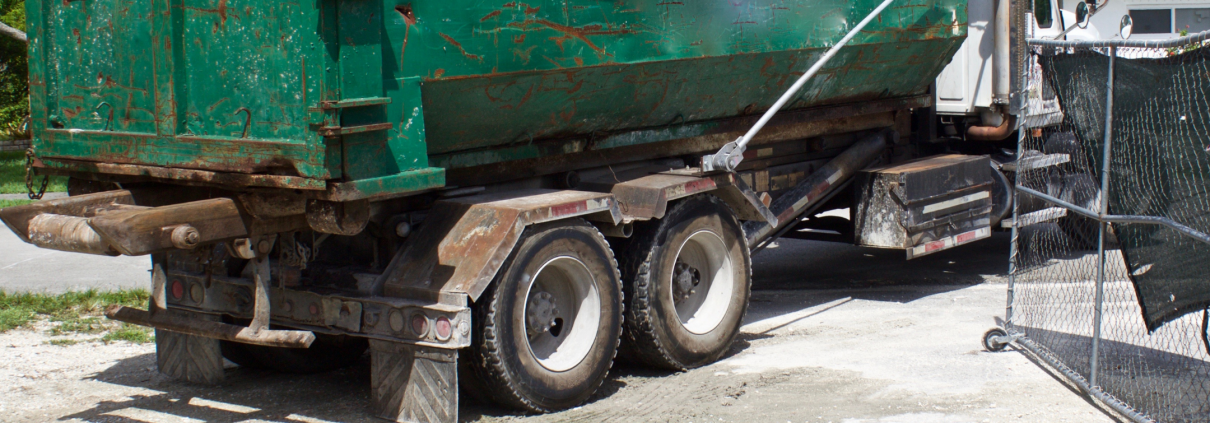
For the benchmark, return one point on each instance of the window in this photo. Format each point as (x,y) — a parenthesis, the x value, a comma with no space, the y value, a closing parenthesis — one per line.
(1042,13)
(1153,21)
(1195,20)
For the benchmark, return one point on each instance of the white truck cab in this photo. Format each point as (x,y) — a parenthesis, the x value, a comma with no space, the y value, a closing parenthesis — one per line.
(1152,19)
(973,93)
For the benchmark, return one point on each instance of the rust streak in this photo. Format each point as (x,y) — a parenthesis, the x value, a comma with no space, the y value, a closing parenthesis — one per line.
(459,46)
(216,104)
(408,19)
(489,16)
(569,32)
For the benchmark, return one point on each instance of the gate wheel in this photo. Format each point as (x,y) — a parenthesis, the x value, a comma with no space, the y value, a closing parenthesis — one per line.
(990,342)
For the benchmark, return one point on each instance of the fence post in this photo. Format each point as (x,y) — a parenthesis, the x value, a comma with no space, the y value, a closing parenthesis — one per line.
(1106,157)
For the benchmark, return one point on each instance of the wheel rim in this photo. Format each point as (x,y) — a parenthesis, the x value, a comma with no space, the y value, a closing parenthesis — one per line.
(703,280)
(562,313)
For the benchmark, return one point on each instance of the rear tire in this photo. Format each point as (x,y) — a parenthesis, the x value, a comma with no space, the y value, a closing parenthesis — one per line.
(547,329)
(1040,242)
(688,281)
(1082,190)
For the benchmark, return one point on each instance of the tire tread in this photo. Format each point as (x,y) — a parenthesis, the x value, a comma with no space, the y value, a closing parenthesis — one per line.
(488,361)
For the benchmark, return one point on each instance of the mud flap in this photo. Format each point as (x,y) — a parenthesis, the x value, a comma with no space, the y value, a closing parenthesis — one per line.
(187,357)
(412,383)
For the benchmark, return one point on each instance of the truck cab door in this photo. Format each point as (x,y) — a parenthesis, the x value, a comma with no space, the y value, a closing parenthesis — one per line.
(1047,19)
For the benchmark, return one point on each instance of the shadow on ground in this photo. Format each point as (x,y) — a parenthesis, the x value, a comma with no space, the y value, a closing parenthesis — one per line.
(821,273)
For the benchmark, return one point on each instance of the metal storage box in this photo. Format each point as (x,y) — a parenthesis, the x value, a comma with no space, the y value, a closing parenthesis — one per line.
(924,205)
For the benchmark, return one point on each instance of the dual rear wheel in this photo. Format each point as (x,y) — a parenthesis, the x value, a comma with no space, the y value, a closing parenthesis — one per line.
(547,330)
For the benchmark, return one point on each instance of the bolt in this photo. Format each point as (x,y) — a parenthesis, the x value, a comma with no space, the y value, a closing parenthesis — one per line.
(287,306)
(186,237)
(264,247)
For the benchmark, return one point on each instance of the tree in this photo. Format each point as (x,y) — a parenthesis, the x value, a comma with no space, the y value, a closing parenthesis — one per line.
(14,69)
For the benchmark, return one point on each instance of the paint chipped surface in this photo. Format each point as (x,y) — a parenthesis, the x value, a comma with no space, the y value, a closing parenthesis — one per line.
(167,84)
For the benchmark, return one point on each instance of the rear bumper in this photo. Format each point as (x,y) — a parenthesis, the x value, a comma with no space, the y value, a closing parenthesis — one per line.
(109,223)
(167,320)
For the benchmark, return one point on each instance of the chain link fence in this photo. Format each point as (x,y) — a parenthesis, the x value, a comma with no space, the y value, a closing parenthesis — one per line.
(1110,278)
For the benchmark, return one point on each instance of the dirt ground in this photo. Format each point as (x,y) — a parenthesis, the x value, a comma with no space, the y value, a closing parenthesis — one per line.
(834,334)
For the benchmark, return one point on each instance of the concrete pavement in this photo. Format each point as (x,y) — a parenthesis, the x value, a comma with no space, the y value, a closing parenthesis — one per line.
(26,268)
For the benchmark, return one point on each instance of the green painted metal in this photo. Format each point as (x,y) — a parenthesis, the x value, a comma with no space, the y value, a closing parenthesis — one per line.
(359,93)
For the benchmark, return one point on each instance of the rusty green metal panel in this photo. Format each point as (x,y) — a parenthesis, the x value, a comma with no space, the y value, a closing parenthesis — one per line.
(255,86)
(510,72)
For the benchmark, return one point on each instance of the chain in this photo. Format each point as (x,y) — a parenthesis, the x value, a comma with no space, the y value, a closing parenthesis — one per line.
(29,177)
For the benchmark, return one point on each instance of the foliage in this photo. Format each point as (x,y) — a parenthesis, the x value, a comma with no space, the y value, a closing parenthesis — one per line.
(14,72)
(12,175)
(11,203)
(1172,51)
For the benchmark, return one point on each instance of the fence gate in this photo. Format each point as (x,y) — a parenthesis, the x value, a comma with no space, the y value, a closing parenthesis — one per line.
(1110,274)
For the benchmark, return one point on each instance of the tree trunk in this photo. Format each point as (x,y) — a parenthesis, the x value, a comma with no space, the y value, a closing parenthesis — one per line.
(13,33)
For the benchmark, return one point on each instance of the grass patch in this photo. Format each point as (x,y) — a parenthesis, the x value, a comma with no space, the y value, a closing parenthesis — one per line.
(78,325)
(10,203)
(12,175)
(12,318)
(73,313)
(129,333)
(63,342)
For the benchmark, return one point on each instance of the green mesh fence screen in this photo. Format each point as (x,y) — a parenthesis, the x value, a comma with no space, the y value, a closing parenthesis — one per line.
(1125,318)
(1160,163)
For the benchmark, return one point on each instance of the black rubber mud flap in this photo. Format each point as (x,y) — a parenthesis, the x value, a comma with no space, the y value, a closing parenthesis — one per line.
(189,358)
(411,383)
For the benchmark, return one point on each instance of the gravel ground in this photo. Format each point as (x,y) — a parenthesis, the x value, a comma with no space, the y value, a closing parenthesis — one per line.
(834,334)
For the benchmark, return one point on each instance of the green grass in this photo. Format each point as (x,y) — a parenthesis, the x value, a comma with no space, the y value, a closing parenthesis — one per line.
(10,203)
(74,313)
(129,333)
(12,175)
(12,318)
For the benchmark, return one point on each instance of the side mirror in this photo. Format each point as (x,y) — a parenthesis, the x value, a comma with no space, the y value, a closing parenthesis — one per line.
(1082,15)
(1127,27)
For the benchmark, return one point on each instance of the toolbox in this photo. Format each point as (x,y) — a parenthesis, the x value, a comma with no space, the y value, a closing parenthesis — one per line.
(924,205)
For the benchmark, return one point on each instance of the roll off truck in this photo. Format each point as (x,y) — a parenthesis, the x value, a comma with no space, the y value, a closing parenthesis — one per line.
(499,198)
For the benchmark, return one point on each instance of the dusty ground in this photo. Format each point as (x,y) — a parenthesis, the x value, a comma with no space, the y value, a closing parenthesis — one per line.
(834,333)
